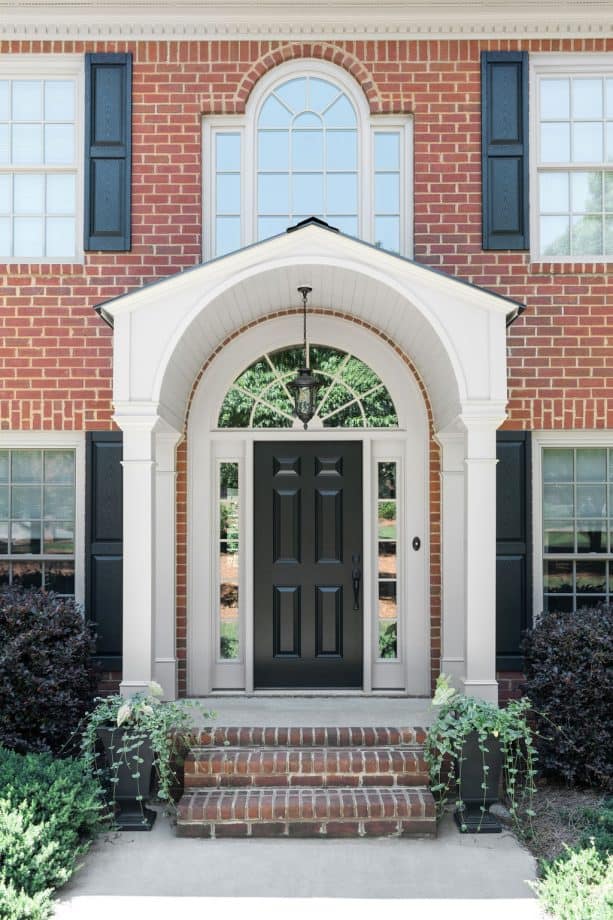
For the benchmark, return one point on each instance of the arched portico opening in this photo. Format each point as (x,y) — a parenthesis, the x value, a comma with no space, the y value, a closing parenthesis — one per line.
(453,332)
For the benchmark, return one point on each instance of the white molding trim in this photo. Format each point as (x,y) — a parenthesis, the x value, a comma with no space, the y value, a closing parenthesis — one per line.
(235,19)
(50,440)
(540,439)
(207,445)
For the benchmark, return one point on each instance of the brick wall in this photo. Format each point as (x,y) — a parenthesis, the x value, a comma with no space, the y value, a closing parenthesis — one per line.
(56,354)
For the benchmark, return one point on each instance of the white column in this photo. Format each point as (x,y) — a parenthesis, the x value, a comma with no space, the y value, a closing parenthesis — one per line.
(453,610)
(480,554)
(138,550)
(164,639)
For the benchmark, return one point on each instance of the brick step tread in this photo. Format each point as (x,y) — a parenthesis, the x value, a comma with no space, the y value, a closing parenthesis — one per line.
(300,766)
(303,736)
(305,812)
(304,803)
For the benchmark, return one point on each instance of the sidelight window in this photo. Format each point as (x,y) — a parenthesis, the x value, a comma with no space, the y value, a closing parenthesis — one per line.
(229,537)
(387,570)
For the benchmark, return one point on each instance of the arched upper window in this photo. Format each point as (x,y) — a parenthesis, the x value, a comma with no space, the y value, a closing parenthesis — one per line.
(351,396)
(307,146)
(307,149)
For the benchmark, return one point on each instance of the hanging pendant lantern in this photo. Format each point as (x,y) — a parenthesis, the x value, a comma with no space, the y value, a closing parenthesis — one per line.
(305,386)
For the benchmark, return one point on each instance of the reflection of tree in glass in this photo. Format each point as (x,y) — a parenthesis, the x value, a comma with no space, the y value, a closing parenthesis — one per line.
(586,224)
(352,395)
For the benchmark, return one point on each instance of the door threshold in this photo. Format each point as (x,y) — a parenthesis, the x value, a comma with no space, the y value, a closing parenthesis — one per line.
(349,694)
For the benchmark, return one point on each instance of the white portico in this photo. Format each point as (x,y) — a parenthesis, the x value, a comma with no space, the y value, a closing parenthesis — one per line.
(454,335)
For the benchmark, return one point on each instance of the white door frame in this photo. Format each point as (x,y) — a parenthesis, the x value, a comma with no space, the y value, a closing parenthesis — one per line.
(409,445)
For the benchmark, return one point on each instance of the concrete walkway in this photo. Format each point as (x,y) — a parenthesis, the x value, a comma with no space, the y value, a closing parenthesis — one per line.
(131,875)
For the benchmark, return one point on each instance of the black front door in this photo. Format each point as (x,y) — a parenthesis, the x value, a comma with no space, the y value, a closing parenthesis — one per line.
(308,564)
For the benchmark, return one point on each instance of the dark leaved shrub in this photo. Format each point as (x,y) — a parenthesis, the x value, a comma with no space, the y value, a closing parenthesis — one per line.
(569,671)
(47,681)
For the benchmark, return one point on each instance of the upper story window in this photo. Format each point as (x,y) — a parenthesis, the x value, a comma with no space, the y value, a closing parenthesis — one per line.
(573,157)
(40,156)
(307,146)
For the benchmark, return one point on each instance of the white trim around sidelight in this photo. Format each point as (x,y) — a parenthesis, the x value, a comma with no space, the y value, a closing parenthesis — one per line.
(540,440)
(57,440)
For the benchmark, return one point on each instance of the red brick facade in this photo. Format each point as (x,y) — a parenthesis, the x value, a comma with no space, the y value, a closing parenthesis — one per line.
(56,353)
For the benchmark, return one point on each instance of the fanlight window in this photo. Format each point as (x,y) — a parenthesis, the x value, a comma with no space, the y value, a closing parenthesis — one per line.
(352,395)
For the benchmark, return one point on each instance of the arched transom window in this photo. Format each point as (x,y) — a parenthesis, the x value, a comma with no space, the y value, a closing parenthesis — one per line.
(351,396)
(307,146)
(307,149)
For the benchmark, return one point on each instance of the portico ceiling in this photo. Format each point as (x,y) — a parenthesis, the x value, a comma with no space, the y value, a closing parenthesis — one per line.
(164,332)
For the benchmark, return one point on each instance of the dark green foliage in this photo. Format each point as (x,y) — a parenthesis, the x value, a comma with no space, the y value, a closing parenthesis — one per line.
(49,812)
(47,682)
(569,670)
(599,828)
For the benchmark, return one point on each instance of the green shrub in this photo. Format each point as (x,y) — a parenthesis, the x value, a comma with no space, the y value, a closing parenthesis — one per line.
(578,886)
(16,905)
(569,678)
(47,682)
(598,828)
(49,812)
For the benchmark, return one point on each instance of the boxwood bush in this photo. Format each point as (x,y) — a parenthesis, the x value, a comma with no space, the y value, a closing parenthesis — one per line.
(569,679)
(47,681)
(50,809)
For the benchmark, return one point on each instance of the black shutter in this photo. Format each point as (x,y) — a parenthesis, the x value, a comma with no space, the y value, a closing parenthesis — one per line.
(513,546)
(504,149)
(108,151)
(103,544)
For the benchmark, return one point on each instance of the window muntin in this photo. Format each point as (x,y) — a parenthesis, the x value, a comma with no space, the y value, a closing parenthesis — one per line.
(387,559)
(577,526)
(352,395)
(307,157)
(37,518)
(575,165)
(39,155)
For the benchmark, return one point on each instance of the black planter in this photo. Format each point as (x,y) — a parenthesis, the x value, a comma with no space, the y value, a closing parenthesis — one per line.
(130,812)
(471,776)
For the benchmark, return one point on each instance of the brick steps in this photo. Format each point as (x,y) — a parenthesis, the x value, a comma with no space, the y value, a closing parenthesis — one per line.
(238,767)
(306,782)
(306,813)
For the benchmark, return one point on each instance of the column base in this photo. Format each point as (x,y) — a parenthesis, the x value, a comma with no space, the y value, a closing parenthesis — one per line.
(130,687)
(482,689)
(165,671)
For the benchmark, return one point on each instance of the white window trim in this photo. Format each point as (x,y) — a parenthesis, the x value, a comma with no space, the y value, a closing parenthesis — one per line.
(246,126)
(42,67)
(541,65)
(54,440)
(541,440)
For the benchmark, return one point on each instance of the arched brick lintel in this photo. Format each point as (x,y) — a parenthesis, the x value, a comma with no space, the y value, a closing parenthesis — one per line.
(323,51)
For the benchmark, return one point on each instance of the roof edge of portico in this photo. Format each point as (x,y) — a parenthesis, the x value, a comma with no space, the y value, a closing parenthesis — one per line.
(133,300)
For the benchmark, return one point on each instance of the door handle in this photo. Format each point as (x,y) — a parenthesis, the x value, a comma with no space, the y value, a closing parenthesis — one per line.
(356,578)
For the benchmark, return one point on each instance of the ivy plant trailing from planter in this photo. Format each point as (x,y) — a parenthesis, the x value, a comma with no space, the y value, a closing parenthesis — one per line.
(141,720)
(459,717)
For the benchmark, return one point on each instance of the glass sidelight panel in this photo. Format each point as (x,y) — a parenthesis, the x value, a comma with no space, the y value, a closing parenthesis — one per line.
(387,563)
(228,535)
